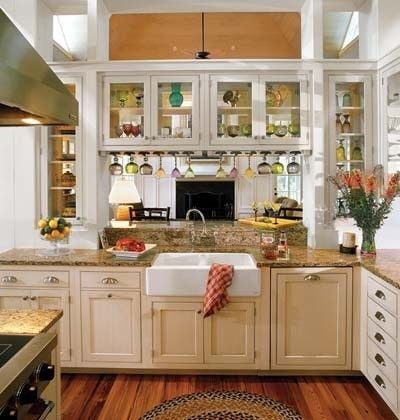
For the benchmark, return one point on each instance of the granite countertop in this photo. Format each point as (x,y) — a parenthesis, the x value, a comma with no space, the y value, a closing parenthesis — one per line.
(386,264)
(26,321)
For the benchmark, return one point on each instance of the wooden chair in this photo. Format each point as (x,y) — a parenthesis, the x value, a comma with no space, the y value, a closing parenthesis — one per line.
(149,213)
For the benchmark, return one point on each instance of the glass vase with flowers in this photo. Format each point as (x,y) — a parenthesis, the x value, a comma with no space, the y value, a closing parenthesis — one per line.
(368,201)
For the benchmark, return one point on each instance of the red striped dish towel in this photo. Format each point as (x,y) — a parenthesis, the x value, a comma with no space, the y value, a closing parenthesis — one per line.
(216,296)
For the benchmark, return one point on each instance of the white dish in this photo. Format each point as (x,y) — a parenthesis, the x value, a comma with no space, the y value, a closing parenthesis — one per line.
(130,254)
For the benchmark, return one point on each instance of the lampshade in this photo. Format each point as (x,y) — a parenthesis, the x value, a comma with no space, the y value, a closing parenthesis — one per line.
(124,191)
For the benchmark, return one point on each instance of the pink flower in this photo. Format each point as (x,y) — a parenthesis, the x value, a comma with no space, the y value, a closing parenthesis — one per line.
(355,179)
(390,192)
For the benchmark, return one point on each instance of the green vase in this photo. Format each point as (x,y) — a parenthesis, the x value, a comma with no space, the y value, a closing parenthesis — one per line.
(368,247)
(176,97)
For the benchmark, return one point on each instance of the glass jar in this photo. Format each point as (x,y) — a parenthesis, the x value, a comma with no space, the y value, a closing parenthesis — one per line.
(268,245)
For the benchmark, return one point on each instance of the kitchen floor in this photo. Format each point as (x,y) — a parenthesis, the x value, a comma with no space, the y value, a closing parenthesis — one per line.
(120,397)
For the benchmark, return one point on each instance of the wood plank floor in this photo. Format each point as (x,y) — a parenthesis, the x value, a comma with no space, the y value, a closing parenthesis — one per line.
(120,397)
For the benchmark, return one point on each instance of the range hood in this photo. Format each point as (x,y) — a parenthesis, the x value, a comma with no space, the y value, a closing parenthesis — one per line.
(30,92)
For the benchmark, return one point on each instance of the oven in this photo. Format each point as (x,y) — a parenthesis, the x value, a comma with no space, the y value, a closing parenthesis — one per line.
(27,377)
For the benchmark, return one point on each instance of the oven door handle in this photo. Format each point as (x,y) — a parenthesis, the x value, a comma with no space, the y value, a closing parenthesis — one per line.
(49,407)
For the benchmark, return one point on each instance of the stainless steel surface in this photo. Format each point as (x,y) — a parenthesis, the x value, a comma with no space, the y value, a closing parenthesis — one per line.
(21,366)
(28,87)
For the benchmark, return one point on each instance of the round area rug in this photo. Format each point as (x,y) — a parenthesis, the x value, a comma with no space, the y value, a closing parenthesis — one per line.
(222,405)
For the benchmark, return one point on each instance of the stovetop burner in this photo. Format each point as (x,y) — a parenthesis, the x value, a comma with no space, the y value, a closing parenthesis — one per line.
(10,345)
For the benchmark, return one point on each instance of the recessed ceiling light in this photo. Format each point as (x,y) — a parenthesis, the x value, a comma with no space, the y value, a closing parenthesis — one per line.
(31,121)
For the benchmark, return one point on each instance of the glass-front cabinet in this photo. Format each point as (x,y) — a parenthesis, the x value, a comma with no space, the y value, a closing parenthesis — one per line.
(233,110)
(62,151)
(175,110)
(391,146)
(350,126)
(284,118)
(126,111)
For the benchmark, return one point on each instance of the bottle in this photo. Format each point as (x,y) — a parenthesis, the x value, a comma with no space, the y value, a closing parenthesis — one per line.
(282,246)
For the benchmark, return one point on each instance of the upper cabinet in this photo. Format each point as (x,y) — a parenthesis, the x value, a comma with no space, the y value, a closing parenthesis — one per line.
(225,112)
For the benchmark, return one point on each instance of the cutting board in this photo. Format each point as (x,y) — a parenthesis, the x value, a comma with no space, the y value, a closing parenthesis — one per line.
(282,223)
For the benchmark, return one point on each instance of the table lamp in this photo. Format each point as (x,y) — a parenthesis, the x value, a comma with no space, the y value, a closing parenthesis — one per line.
(123,194)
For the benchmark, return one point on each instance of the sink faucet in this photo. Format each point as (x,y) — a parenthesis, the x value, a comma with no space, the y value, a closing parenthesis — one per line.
(203,219)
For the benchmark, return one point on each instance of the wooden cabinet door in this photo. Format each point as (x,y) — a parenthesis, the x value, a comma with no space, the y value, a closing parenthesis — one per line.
(55,299)
(111,326)
(14,298)
(229,334)
(177,332)
(311,318)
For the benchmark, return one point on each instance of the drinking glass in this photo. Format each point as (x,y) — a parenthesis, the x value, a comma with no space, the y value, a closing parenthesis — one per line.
(249,173)
(160,173)
(234,172)
(264,168)
(176,173)
(145,168)
(293,167)
(277,167)
(220,172)
(131,167)
(116,168)
(189,171)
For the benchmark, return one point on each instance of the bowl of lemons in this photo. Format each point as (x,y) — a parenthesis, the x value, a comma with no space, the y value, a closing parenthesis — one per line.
(56,231)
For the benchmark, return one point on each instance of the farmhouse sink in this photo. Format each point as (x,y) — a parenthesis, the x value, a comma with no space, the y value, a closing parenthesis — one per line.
(185,274)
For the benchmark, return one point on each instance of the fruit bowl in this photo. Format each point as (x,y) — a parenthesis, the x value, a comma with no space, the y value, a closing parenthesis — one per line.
(56,232)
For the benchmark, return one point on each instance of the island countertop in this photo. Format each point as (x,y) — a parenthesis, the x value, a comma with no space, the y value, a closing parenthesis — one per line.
(386,264)
(27,321)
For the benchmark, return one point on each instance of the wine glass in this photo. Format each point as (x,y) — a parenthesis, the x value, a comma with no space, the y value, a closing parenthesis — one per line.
(234,172)
(116,168)
(131,167)
(264,168)
(220,172)
(293,167)
(189,171)
(145,168)
(160,173)
(249,173)
(277,167)
(176,173)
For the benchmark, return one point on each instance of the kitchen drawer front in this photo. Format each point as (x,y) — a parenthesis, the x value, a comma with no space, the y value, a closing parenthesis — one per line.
(381,294)
(111,279)
(382,384)
(382,361)
(383,318)
(42,278)
(382,340)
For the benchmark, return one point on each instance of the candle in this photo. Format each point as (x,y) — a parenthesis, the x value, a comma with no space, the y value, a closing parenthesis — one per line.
(349,239)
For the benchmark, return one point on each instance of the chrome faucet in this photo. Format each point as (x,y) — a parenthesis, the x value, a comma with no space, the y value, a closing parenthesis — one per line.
(203,219)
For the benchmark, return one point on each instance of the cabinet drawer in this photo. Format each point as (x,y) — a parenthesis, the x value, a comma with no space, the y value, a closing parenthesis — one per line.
(382,384)
(110,279)
(383,295)
(382,339)
(382,361)
(41,278)
(383,318)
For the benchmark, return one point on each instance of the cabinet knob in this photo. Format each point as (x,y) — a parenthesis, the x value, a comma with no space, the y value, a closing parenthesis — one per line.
(51,280)
(379,294)
(8,279)
(312,277)
(380,317)
(379,338)
(25,298)
(33,297)
(199,311)
(380,381)
(380,359)
(109,280)
(109,295)
(255,137)
(153,137)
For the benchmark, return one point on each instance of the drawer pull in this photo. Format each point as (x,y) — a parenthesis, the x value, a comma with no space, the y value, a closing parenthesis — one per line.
(109,280)
(199,311)
(312,277)
(51,280)
(380,359)
(109,295)
(9,279)
(380,381)
(25,298)
(379,294)
(379,316)
(379,338)
(33,298)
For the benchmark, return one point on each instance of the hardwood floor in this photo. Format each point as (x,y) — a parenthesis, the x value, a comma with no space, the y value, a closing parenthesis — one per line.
(120,397)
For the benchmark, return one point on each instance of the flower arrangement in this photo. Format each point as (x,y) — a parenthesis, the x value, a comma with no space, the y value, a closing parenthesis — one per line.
(368,201)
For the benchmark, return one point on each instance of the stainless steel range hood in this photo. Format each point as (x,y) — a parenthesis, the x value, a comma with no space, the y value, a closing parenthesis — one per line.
(30,92)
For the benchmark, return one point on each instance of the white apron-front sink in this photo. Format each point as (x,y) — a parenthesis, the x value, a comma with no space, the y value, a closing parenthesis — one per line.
(185,274)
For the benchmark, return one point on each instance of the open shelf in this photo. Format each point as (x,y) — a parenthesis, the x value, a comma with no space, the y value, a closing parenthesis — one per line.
(132,110)
(63,188)
(344,135)
(344,162)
